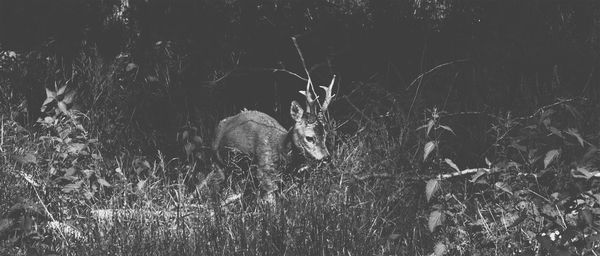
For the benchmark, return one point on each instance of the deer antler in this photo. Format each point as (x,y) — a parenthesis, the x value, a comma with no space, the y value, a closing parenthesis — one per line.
(310,101)
(328,95)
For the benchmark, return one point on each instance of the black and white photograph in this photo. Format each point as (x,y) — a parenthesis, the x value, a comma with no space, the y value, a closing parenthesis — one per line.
(300,127)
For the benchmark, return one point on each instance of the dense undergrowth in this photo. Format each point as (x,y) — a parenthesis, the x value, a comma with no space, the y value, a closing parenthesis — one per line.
(75,184)
(118,164)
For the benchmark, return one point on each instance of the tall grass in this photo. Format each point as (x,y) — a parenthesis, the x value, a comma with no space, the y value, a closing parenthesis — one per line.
(108,177)
(108,198)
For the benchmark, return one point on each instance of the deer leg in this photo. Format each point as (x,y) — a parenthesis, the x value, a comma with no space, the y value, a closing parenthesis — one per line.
(267,174)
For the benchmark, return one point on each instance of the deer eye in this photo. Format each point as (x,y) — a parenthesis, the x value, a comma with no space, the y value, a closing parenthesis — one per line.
(310,139)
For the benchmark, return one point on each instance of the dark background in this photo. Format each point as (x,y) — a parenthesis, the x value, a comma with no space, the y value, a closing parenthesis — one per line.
(515,81)
(505,55)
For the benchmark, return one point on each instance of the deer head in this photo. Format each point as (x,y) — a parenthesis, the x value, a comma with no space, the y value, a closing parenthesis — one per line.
(309,133)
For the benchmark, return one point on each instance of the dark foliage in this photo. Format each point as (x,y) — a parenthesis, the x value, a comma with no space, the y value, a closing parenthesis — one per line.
(112,105)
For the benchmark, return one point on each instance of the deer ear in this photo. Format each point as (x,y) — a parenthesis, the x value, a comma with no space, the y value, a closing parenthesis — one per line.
(296,111)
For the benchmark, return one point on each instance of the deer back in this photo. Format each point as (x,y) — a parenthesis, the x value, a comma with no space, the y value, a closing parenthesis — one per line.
(253,133)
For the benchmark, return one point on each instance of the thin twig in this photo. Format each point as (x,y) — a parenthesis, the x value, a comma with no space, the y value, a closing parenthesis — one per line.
(588,81)
(463,172)
(42,202)
(544,108)
(434,69)
(34,184)
(290,72)
(2,134)
(412,103)
(302,59)
(309,82)
(215,82)
(237,71)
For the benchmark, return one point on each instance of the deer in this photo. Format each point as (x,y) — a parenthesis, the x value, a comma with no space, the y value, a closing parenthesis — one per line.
(271,146)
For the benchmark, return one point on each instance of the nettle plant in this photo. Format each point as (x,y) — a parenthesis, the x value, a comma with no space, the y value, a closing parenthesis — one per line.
(433,132)
(540,138)
(553,156)
(539,192)
(73,156)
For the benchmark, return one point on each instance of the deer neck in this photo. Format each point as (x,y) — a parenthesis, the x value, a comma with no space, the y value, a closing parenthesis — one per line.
(293,155)
(287,141)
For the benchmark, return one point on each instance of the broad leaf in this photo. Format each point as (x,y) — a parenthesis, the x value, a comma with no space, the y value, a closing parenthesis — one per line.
(130,66)
(429,126)
(555,131)
(50,94)
(140,185)
(72,187)
(432,186)
(439,249)
(428,148)
(47,101)
(573,132)
(477,175)
(69,97)
(103,182)
(61,90)
(63,107)
(550,156)
(504,187)
(452,164)
(436,218)
(447,129)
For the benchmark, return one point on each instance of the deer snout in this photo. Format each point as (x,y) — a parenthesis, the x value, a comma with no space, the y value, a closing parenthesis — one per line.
(326,157)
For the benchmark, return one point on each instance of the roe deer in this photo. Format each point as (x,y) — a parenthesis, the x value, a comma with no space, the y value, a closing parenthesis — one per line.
(269,144)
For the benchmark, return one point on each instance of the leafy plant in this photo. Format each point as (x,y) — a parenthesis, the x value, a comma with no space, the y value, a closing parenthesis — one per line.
(529,182)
